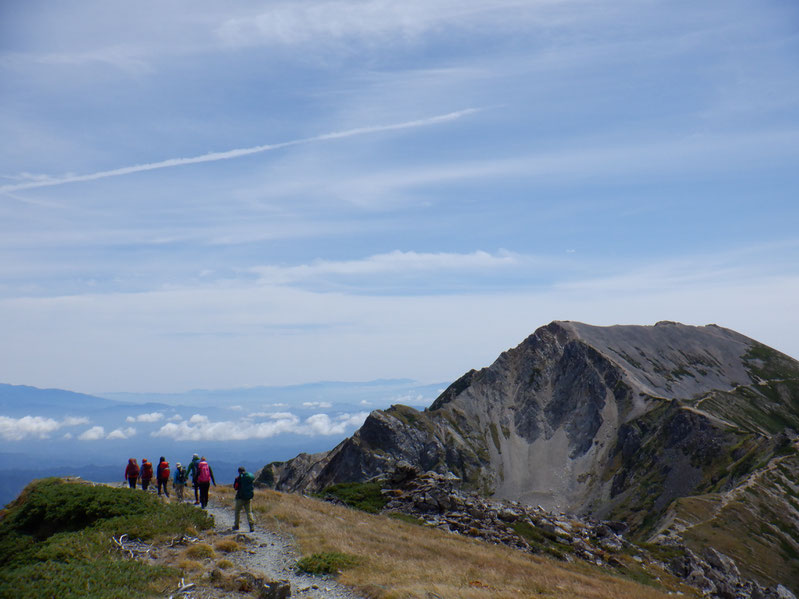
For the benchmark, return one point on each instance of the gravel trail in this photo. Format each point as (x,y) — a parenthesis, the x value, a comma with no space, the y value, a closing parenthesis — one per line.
(275,555)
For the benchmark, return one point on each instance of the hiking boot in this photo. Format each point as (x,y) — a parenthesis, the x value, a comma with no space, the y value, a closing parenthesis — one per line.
(252,528)
(235,528)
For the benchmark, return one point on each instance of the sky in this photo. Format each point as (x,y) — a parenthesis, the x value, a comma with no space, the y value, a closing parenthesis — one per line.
(217,195)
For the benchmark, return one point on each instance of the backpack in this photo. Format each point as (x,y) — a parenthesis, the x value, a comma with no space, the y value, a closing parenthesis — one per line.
(163,473)
(180,476)
(204,470)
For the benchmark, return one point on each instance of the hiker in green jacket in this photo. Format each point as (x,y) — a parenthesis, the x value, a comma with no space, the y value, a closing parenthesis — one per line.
(244,492)
(194,473)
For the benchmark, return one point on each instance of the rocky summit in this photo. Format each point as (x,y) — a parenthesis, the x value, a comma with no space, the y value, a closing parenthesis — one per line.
(680,432)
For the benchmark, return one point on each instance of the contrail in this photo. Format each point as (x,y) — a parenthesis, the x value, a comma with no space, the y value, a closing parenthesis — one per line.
(229,154)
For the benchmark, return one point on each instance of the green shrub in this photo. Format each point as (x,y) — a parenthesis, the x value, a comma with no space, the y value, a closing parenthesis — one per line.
(366,497)
(326,563)
(56,540)
(50,505)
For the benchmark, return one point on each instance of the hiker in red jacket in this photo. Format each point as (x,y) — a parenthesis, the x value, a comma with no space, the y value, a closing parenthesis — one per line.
(162,476)
(205,476)
(132,472)
(146,473)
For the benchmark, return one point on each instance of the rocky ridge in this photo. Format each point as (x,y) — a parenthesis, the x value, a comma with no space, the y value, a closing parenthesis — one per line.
(437,500)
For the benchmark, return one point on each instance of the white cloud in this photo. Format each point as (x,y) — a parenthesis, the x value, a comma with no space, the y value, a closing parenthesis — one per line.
(150,417)
(121,434)
(271,415)
(203,429)
(95,433)
(390,263)
(375,21)
(34,427)
(317,404)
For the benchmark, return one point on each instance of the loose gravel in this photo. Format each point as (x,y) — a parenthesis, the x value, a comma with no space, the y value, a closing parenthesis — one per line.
(275,556)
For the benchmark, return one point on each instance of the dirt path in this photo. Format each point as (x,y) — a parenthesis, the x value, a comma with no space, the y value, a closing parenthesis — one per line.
(274,555)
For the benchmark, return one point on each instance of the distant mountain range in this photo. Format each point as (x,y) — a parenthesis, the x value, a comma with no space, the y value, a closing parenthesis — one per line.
(684,433)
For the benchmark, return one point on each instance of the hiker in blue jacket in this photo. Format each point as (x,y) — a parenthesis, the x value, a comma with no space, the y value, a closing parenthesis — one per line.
(179,484)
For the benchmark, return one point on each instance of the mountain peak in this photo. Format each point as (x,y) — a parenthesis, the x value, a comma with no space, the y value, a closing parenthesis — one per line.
(617,421)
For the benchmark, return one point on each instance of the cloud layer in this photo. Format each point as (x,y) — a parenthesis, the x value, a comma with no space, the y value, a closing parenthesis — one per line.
(202,428)
(34,427)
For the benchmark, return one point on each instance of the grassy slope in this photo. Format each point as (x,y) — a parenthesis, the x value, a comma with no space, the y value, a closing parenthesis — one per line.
(56,541)
(754,521)
(395,559)
(755,524)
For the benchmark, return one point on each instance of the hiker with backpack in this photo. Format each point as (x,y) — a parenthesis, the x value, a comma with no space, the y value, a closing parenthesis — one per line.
(162,476)
(146,473)
(179,483)
(132,472)
(192,471)
(244,493)
(205,476)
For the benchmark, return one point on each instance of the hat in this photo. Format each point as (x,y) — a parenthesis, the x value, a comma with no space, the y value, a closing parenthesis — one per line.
(178,464)
(195,456)
(242,469)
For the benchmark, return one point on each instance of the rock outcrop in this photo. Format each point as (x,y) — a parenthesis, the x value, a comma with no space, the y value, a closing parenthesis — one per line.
(621,423)
(438,501)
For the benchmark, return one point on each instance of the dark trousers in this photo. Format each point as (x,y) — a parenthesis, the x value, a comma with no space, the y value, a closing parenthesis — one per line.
(162,485)
(204,493)
(196,486)
(132,482)
(145,482)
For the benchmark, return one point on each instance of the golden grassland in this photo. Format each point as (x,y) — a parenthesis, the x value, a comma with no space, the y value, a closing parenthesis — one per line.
(398,560)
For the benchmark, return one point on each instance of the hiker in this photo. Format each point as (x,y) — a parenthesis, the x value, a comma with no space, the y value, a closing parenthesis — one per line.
(180,481)
(205,476)
(192,471)
(162,476)
(132,472)
(146,473)
(244,492)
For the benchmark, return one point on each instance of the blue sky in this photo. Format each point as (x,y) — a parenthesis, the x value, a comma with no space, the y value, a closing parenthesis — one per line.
(211,195)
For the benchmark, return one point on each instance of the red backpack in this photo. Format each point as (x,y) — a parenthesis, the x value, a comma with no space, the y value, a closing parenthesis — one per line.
(163,472)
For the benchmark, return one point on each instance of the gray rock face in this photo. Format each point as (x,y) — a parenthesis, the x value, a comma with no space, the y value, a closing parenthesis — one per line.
(543,422)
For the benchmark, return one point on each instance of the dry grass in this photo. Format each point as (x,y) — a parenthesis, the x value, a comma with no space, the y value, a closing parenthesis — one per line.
(227,546)
(189,565)
(199,551)
(405,561)
(224,564)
